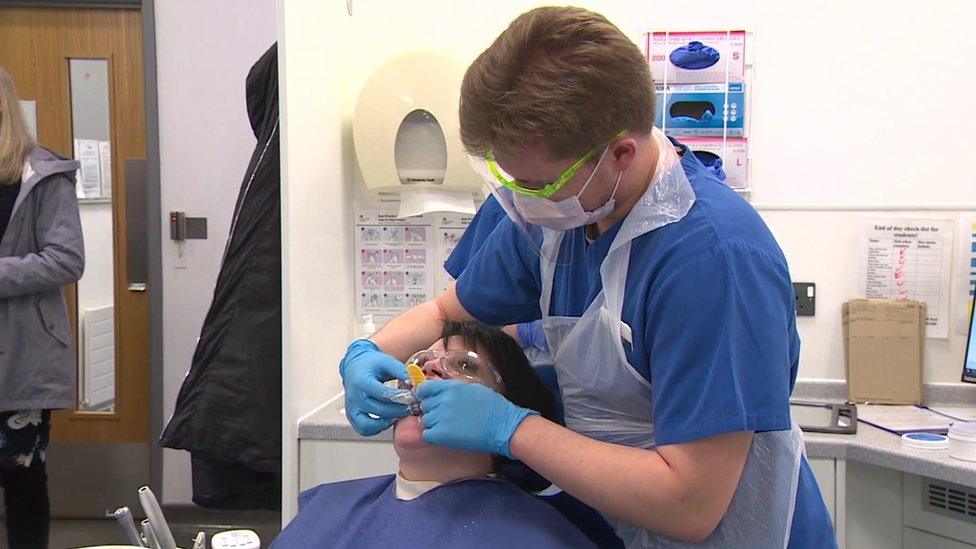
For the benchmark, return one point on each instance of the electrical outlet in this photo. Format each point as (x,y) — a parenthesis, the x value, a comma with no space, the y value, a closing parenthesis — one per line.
(806,298)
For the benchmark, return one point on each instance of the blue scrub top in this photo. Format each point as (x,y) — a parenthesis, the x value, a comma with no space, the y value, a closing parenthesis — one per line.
(482,225)
(709,297)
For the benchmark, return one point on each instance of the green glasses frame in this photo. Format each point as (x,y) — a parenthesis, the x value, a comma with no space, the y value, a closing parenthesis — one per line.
(552,187)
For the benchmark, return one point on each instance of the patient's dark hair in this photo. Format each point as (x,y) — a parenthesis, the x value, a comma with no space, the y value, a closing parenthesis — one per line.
(523,386)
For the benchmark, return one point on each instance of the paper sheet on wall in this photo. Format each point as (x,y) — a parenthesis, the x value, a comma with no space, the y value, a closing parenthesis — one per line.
(399,262)
(105,167)
(29,108)
(90,178)
(964,287)
(909,259)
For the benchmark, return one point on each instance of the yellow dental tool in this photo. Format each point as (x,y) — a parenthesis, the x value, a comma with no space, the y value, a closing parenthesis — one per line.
(416,375)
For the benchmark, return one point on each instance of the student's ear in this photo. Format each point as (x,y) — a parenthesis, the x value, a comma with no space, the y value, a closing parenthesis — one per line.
(623,152)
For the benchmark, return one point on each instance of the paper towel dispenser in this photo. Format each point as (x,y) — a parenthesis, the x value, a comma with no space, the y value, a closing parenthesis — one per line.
(405,127)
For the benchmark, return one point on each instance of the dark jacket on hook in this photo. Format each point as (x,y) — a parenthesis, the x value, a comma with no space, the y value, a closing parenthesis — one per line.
(228,413)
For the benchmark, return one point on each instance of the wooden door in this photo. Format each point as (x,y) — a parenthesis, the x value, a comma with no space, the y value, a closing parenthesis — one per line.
(36,46)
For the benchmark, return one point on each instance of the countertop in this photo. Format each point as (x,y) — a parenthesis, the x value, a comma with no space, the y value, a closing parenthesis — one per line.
(877,447)
(870,445)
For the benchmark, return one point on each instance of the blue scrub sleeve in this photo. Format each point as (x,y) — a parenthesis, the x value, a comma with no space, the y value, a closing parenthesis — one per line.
(500,285)
(481,227)
(721,327)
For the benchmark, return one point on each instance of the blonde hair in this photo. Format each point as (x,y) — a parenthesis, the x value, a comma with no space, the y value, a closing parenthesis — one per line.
(562,76)
(15,143)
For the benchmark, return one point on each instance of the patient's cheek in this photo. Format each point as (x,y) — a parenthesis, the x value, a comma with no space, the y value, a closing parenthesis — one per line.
(407,432)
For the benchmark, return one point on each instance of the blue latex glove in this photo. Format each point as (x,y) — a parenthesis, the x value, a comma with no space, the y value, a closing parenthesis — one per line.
(531,334)
(468,416)
(363,371)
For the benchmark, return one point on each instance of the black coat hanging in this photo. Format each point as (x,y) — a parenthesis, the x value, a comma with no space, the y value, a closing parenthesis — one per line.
(228,412)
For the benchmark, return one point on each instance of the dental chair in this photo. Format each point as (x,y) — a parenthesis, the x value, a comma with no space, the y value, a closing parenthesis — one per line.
(155,532)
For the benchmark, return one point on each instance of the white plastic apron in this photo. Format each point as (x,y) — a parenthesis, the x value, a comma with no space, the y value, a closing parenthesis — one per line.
(604,398)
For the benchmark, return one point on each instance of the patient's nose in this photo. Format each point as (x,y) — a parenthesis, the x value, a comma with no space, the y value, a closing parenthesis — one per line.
(434,369)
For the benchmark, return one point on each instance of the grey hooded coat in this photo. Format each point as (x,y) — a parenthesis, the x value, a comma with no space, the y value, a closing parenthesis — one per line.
(41,252)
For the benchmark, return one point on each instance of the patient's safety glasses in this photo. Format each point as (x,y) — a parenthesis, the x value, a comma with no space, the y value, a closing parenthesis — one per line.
(457,363)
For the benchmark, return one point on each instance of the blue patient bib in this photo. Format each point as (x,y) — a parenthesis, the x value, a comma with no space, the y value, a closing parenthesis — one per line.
(469,513)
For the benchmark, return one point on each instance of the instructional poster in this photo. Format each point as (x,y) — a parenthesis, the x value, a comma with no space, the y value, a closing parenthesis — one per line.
(105,167)
(91,176)
(910,259)
(399,262)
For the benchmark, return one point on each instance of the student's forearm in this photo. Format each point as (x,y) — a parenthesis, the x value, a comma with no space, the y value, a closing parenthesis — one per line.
(420,326)
(637,486)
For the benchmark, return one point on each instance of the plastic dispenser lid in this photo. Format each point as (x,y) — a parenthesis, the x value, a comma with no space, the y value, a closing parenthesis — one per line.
(965,430)
(925,441)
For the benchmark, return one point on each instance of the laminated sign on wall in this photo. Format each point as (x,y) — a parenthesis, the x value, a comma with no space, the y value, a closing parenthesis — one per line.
(964,287)
(909,259)
(400,261)
(94,178)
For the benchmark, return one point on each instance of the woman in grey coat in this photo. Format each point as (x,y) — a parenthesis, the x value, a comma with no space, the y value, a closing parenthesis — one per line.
(41,251)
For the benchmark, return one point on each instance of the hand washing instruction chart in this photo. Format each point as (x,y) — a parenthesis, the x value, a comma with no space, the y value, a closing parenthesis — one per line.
(399,262)
(909,260)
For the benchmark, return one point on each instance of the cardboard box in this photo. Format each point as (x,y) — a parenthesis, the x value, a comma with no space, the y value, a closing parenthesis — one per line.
(733,152)
(701,109)
(884,343)
(664,48)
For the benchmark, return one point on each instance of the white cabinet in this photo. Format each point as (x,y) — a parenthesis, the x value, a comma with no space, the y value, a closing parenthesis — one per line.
(873,507)
(917,539)
(323,461)
(825,471)
(890,509)
(941,509)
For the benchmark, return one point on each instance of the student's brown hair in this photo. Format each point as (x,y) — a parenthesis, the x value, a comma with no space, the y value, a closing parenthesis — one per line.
(563,76)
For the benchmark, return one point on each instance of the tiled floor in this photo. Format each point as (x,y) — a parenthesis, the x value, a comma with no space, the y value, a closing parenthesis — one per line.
(73,533)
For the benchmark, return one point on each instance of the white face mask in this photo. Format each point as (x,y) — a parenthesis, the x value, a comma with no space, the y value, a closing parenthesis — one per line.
(568,213)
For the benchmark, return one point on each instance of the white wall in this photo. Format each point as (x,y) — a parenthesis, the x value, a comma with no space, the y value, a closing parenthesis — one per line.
(97,286)
(821,246)
(316,220)
(204,51)
(854,106)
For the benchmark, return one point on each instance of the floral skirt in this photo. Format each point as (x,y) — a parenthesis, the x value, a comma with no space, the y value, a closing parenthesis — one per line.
(24,436)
